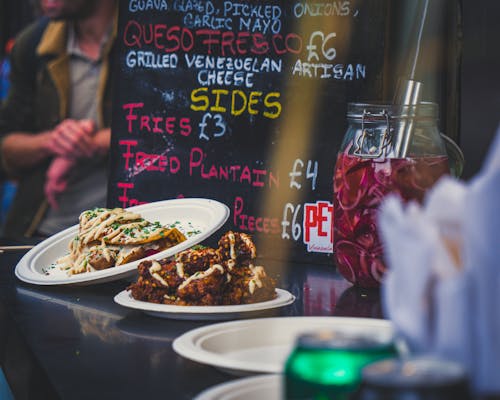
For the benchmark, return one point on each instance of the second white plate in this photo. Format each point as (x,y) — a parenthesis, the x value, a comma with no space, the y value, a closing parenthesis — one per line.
(262,345)
(201,313)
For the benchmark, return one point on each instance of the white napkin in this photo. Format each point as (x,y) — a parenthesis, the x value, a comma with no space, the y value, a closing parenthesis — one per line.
(442,289)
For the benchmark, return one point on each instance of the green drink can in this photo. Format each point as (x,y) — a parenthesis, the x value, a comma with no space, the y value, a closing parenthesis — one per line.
(327,365)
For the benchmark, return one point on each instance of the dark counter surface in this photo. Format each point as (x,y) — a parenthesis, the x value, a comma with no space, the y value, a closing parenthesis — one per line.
(77,343)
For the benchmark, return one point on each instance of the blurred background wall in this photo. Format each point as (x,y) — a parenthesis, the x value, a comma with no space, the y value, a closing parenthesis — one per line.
(480,80)
(14,15)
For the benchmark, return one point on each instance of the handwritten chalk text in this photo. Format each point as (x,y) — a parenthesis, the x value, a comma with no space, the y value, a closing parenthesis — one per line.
(123,197)
(137,122)
(251,10)
(236,102)
(247,64)
(296,175)
(140,161)
(171,39)
(207,21)
(236,173)
(320,9)
(229,71)
(345,72)
(199,6)
(146,5)
(251,223)
(264,26)
(148,59)
(212,126)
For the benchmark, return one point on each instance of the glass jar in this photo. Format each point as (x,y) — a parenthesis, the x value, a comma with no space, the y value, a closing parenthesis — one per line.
(386,149)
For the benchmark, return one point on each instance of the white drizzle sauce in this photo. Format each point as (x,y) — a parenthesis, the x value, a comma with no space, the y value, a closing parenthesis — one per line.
(105,251)
(232,240)
(231,264)
(93,228)
(250,245)
(154,269)
(255,282)
(180,269)
(202,275)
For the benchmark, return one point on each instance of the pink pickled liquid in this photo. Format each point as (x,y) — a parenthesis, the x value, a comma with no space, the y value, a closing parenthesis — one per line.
(359,185)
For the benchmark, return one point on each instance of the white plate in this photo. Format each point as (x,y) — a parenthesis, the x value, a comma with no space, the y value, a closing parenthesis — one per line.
(263,345)
(199,313)
(201,216)
(263,387)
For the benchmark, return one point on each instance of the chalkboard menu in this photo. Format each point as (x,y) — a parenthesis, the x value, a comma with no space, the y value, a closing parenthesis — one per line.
(243,102)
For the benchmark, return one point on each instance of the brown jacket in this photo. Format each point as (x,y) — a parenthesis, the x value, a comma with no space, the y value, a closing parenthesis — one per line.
(38,101)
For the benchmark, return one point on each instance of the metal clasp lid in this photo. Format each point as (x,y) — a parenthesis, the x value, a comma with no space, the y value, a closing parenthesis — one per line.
(373,142)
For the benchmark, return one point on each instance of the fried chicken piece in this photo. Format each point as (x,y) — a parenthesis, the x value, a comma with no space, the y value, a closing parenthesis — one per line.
(197,259)
(203,288)
(157,282)
(146,292)
(249,284)
(238,247)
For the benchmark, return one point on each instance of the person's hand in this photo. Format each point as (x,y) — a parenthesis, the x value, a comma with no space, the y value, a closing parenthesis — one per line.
(57,179)
(102,139)
(72,139)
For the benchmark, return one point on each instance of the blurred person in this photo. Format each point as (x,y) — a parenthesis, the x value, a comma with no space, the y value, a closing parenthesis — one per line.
(7,187)
(5,70)
(54,123)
